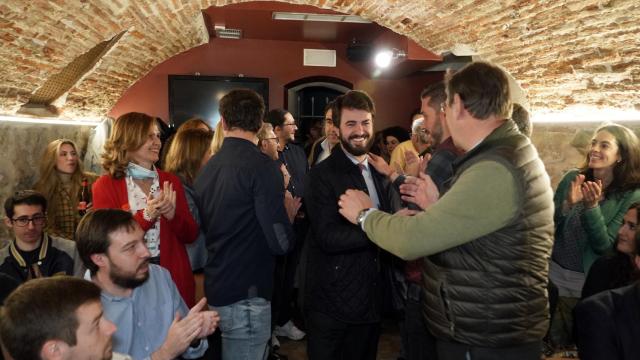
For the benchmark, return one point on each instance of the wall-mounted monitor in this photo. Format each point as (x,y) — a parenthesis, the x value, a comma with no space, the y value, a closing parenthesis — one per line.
(191,96)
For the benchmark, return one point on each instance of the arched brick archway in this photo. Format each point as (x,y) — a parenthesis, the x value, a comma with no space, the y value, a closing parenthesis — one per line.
(575,51)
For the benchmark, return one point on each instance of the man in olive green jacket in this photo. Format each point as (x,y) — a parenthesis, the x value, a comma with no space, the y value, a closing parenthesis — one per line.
(487,239)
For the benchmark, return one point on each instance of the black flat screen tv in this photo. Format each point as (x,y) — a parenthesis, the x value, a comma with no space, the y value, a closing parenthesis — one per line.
(191,96)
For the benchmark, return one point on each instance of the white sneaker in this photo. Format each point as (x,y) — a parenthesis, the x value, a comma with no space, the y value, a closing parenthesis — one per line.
(275,344)
(289,330)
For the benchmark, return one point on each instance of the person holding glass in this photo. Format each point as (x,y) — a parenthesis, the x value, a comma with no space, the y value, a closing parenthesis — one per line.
(66,187)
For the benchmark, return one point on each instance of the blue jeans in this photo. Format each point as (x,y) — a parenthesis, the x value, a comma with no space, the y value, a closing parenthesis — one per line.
(246,329)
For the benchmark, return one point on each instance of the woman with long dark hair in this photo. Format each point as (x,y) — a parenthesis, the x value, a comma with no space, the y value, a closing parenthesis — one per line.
(590,205)
(619,268)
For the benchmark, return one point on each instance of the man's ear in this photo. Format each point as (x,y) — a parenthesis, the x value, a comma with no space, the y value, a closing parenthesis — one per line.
(54,350)
(637,258)
(224,124)
(99,259)
(7,222)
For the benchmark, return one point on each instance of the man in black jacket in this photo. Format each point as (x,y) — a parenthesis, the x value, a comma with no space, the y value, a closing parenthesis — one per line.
(242,206)
(343,278)
(607,325)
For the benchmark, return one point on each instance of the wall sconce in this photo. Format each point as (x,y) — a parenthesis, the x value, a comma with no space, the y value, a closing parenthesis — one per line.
(383,58)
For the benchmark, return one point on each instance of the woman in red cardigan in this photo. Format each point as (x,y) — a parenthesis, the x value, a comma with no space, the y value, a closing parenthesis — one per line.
(156,198)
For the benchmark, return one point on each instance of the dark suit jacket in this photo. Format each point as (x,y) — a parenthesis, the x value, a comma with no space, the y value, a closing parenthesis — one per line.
(343,271)
(607,325)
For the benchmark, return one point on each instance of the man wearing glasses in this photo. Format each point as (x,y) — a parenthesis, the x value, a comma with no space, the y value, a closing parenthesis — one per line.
(418,144)
(33,253)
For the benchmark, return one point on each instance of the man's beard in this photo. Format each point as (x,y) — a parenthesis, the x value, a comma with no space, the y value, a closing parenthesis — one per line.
(357,151)
(436,135)
(126,281)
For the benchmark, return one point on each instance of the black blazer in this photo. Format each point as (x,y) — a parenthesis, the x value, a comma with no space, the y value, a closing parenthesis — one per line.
(607,325)
(343,272)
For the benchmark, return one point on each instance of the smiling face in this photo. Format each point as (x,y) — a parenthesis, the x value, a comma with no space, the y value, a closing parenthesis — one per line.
(289,127)
(604,152)
(94,333)
(147,154)
(356,127)
(67,159)
(627,233)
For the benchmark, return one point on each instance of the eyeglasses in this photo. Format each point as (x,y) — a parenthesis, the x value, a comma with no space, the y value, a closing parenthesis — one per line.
(24,221)
(289,124)
(273,138)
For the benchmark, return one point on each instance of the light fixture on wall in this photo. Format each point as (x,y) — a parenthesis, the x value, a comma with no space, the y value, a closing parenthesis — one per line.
(56,121)
(383,58)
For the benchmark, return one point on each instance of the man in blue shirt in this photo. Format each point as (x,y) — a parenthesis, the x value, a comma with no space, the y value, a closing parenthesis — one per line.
(140,298)
(242,206)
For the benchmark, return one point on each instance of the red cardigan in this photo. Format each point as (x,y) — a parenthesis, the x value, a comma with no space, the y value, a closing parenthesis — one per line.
(110,193)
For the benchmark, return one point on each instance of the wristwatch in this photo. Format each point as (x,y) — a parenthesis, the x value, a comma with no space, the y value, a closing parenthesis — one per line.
(361,214)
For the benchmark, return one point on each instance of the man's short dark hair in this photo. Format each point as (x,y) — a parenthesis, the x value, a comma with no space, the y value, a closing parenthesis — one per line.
(92,235)
(483,89)
(275,117)
(436,94)
(41,310)
(520,116)
(24,197)
(354,99)
(242,109)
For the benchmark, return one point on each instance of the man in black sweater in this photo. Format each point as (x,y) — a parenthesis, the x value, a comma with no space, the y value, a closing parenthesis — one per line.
(241,200)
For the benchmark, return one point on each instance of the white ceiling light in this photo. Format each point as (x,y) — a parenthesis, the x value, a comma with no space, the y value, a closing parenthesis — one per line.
(383,58)
(278,15)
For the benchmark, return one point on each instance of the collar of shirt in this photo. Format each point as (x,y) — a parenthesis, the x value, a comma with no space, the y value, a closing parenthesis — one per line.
(355,161)
(325,145)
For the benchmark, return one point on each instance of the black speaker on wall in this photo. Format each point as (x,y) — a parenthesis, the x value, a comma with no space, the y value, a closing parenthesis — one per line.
(359,52)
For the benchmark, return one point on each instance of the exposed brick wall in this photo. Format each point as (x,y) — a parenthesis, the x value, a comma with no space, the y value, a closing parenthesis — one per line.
(562,52)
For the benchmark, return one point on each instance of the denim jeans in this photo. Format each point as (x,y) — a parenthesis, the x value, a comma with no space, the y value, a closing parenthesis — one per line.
(246,329)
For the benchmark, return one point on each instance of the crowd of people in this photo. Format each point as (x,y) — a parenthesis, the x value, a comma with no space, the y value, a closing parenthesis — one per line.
(452,228)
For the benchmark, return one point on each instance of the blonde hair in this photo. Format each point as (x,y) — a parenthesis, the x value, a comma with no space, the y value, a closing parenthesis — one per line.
(185,154)
(264,132)
(49,182)
(130,131)
(218,138)
(193,123)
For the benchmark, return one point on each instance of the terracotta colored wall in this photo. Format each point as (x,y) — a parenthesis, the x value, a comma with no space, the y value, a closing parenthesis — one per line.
(281,62)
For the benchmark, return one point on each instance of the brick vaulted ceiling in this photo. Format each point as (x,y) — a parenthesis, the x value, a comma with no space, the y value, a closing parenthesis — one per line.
(563,52)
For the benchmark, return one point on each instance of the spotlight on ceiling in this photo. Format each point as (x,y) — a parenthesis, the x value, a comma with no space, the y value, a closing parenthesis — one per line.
(383,58)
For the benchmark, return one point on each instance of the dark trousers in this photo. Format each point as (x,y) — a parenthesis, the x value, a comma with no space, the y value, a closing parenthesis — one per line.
(456,351)
(418,342)
(328,338)
(284,278)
